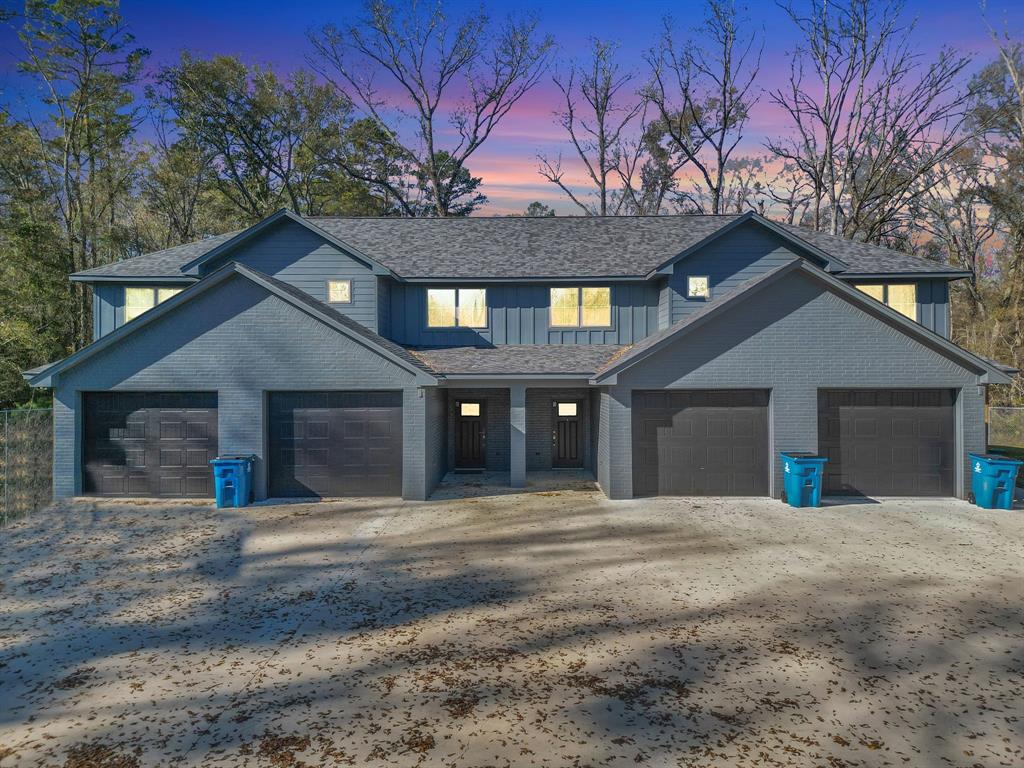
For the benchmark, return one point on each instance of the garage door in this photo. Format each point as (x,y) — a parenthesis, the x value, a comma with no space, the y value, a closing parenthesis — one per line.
(149,443)
(332,444)
(887,442)
(705,442)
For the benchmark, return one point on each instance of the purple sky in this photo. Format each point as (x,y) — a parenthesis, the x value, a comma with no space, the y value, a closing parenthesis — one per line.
(271,33)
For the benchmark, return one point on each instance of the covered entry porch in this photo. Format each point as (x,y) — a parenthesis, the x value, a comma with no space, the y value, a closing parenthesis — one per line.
(518,433)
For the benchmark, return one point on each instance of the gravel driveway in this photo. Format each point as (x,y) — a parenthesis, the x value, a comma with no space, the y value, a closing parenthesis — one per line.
(541,629)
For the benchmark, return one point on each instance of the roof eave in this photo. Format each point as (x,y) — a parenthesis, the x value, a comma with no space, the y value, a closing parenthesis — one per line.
(454,377)
(572,279)
(80,277)
(937,275)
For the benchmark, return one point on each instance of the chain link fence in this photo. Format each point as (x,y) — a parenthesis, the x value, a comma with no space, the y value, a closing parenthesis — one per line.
(26,461)
(1006,426)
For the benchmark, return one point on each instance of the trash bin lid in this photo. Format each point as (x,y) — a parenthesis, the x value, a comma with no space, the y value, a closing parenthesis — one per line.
(995,458)
(802,455)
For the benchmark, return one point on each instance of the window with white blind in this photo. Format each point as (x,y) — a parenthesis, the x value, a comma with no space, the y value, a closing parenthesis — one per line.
(900,296)
(456,307)
(142,299)
(581,307)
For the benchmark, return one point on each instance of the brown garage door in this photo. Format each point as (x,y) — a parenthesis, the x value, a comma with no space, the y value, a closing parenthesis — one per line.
(887,442)
(703,442)
(149,443)
(332,444)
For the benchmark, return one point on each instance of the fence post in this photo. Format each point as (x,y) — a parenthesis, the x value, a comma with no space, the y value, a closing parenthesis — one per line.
(7,462)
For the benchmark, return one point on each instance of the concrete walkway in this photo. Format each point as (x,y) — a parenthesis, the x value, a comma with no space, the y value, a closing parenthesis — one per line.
(551,628)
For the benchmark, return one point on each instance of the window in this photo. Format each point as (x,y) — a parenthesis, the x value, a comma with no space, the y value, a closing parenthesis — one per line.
(469,409)
(566,409)
(581,307)
(900,296)
(698,287)
(339,291)
(463,307)
(138,300)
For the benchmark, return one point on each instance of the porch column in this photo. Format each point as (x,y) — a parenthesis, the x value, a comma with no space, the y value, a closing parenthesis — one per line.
(517,446)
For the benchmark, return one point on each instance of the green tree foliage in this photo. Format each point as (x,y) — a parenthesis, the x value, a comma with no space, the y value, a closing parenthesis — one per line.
(65,190)
(537,209)
(270,143)
(458,187)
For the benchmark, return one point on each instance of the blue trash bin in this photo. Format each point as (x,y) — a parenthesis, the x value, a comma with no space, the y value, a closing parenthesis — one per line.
(993,479)
(232,480)
(802,475)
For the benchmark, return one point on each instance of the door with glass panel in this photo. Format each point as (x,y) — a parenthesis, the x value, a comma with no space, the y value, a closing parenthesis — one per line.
(469,434)
(566,437)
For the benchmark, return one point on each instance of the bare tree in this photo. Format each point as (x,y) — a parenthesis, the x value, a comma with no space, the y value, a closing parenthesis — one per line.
(952,209)
(600,108)
(870,118)
(789,189)
(428,64)
(704,92)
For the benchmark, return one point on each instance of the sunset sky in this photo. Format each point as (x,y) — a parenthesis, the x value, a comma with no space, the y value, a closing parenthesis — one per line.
(275,33)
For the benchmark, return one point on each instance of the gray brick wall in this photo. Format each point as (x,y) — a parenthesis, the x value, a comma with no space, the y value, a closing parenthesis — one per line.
(602,441)
(241,341)
(792,339)
(436,436)
(539,425)
(497,438)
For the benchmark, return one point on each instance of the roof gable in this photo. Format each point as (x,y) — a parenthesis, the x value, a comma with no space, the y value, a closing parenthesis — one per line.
(804,248)
(318,310)
(990,372)
(224,249)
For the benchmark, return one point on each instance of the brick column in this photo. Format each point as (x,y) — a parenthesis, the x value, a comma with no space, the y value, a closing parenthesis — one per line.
(517,443)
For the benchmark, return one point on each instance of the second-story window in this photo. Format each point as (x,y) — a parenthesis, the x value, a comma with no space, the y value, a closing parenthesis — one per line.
(339,291)
(581,307)
(139,300)
(900,296)
(456,307)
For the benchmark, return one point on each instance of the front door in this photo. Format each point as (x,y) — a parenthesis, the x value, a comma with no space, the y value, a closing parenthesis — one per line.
(566,435)
(469,434)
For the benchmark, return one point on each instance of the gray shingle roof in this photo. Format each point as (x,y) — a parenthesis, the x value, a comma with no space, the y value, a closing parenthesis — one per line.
(514,247)
(165,263)
(865,258)
(540,359)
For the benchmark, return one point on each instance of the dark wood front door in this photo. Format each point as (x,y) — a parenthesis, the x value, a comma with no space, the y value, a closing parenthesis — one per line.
(566,436)
(469,434)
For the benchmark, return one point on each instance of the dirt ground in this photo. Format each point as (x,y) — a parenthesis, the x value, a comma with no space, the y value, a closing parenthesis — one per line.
(530,629)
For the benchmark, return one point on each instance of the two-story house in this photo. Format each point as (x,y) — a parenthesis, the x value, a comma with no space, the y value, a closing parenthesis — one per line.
(666,355)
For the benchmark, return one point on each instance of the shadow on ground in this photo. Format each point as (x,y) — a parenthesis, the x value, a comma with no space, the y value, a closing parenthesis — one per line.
(546,628)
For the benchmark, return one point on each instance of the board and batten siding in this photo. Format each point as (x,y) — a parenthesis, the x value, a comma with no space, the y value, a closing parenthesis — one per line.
(107,308)
(933,306)
(519,313)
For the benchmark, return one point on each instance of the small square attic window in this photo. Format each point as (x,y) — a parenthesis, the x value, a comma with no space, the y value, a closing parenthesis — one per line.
(339,291)
(698,287)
